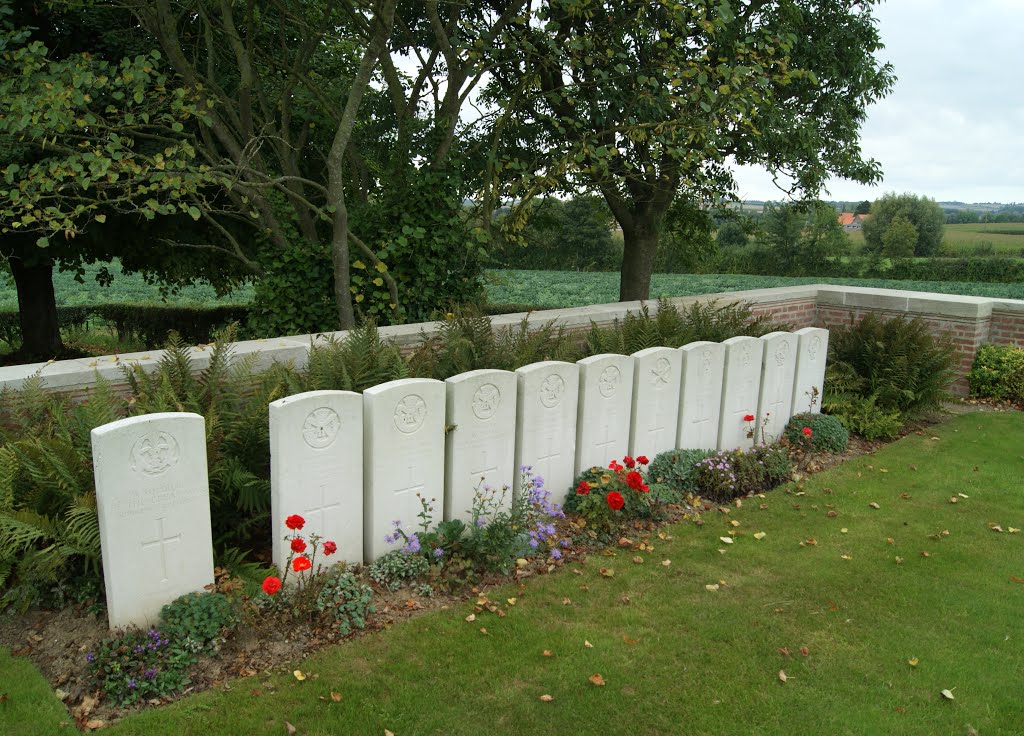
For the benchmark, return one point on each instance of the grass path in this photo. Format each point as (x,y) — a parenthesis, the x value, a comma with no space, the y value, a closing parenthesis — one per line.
(679,658)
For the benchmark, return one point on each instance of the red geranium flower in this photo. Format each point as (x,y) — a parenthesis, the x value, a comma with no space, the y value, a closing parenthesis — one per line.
(614,465)
(615,500)
(271,584)
(642,459)
(301,563)
(298,545)
(294,522)
(807,431)
(630,462)
(748,418)
(330,548)
(583,488)
(634,480)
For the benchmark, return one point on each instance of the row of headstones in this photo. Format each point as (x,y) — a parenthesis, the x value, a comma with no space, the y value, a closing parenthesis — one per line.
(351,464)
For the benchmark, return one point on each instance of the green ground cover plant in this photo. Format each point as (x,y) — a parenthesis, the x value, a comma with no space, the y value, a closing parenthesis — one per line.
(998,373)
(844,604)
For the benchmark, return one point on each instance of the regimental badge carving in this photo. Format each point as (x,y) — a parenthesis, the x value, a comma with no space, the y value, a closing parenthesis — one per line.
(782,352)
(410,413)
(321,427)
(609,381)
(154,453)
(814,348)
(486,401)
(707,360)
(745,355)
(551,390)
(661,372)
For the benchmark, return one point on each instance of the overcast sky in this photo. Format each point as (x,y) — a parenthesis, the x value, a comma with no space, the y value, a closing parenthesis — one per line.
(953,126)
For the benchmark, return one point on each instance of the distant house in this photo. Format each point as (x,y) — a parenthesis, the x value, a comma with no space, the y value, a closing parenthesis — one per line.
(850,221)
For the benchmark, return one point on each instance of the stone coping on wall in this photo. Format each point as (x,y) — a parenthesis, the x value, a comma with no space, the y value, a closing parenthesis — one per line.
(72,376)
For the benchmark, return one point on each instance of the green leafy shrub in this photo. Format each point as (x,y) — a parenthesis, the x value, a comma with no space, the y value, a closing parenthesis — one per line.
(398,568)
(345,600)
(729,474)
(673,474)
(136,665)
(827,433)
(197,622)
(998,373)
(881,371)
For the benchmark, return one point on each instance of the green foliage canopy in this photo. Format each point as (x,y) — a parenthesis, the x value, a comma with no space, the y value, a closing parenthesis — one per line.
(898,211)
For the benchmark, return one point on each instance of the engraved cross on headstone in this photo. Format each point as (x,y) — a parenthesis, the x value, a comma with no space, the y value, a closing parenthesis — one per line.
(549,442)
(320,511)
(478,474)
(656,430)
(703,421)
(413,485)
(608,441)
(162,541)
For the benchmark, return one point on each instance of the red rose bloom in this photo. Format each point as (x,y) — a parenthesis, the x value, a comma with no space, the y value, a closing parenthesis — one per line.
(807,431)
(294,522)
(748,418)
(615,500)
(583,488)
(301,563)
(271,584)
(630,462)
(330,548)
(634,480)
(298,545)
(642,459)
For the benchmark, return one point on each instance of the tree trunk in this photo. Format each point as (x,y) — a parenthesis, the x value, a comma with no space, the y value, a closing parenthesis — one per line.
(639,244)
(37,309)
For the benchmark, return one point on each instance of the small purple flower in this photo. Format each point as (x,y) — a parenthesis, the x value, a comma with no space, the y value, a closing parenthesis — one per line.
(150,673)
(90,657)
(396,524)
(438,552)
(533,542)
(131,683)
(481,521)
(412,546)
(556,554)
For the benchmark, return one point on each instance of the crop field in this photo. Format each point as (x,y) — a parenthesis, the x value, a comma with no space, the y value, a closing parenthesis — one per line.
(998,238)
(540,288)
(124,290)
(567,289)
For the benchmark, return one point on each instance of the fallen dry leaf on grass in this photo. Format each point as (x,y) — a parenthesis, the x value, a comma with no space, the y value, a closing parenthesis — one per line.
(805,651)
(336,697)
(948,694)
(547,653)
(638,560)
(784,651)
(874,505)
(607,572)
(913,661)
(760,535)
(713,587)
(782,676)
(289,728)
(597,679)
(726,540)
(628,640)
(587,644)
(666,563)
(298,675)
(471,618)
(545,698)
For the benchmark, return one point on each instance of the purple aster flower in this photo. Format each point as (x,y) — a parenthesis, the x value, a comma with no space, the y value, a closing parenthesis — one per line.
(438,551)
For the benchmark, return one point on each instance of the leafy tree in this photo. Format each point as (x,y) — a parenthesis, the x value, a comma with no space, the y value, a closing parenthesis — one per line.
(570,235)
(863,208)
(91,149)
(800,239)
(643,101)
(732,234)
(899,238)
(923,213)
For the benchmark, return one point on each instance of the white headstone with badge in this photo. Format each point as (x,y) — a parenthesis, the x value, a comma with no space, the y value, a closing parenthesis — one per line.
(778,368)
(316,471)
(741,389)
(700,404)
(403,455)
(656,384)
(546,401)
(481,438)
(153,503)
(809,383)
(605,408)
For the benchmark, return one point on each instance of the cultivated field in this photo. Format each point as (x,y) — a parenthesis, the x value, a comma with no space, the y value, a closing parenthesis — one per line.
(1000,238)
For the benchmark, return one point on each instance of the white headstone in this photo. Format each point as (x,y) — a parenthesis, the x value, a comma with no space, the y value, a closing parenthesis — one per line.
(481,440)
(546,402)
(700,402)
(810,369)
(655,401)
(403,451)
(605,410)
(741,385)
(316,471)
(778,368)
(153,502)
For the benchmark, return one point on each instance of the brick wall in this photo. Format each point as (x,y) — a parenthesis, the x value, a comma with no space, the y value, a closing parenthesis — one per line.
(970,321)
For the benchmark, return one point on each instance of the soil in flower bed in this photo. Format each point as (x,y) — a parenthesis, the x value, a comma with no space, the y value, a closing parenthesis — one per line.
(57,641)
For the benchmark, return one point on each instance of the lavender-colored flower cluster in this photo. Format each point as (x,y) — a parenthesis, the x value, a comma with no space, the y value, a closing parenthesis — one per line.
(540,509)
(717,471)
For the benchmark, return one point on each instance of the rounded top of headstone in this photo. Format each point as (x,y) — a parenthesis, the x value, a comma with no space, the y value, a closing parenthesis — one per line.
(414,384)
(325,394)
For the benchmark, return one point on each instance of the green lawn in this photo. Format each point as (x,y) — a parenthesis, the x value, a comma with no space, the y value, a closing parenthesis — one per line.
(679,658)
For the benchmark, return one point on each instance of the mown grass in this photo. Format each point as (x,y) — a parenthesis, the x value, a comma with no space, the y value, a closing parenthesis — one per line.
(678,658)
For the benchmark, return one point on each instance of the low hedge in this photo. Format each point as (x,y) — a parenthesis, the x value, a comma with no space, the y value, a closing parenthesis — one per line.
(998,373)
